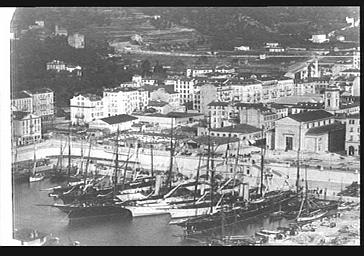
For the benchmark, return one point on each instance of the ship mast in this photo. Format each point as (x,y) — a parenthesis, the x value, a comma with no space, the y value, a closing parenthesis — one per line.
(116,161)
(298,161)
(88,160)
(169,179)
(151,160)
(262,163)
(197,177)
(212,179)
(208,148)
(69,152)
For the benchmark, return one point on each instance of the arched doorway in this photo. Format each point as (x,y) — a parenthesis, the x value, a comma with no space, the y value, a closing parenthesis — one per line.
(351,150)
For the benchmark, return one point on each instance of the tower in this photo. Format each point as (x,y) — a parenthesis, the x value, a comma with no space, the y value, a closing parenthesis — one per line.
(332,98)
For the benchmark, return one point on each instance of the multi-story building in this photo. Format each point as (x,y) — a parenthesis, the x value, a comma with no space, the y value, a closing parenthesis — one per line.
(58,31)
(124,100)
(86,108)
(222,113)
(257,115)
(249,90)
(285,86)
(352,135)
(43,102)
(313,131)
(224,69)
(26,128)
(167,94)
(56,65)
(76,40)
(22,101)
(186,89)
(199,71)
(206,94)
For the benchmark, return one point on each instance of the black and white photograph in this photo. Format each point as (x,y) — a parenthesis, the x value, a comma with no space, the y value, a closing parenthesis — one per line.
(181,126)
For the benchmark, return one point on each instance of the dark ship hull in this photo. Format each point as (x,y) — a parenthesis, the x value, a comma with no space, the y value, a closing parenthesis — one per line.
(207,223)
(75,212)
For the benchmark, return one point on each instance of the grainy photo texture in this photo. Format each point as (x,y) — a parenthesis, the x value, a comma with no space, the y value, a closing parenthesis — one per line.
(185,126)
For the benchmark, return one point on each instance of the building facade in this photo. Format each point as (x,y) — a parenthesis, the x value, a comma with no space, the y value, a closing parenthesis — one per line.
(86,108)
(314,131)
(43,102)
(352,135)
(76,41)
(124,100)
(22,101)
(26,128)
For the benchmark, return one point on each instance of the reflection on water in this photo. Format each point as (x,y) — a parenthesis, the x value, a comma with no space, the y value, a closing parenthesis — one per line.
(153,230)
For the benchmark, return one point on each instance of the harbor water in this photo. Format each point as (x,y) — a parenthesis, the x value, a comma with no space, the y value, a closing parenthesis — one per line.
(141,231)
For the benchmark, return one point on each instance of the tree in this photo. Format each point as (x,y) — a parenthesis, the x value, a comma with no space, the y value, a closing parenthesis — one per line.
(145,67)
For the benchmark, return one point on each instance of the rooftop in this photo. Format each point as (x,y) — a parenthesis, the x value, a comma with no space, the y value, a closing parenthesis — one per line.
(214,140)
(18,115)
(311,116)
(120,89)
(91,96)
(118,119)
(218,103)
(325,129)
(239,128)
(20,95)
(155,103)
(39,90)
(296,98)
(182,114)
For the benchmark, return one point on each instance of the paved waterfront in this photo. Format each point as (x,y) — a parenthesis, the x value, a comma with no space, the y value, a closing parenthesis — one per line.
(333,180)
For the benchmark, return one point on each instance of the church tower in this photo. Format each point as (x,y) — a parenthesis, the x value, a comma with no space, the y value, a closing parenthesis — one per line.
(332,98)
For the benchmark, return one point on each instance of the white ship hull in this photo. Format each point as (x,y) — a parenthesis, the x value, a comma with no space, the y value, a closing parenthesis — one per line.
(192,212)
(35,178)
(139,211)
(302,219)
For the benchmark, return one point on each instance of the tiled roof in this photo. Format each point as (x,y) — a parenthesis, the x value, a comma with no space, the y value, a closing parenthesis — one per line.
(218,103)
(20,95)
(182,114)
(39,90)
(239,128)
(154,103)
(311,116)
(18,115)
(118,119)
(325,129)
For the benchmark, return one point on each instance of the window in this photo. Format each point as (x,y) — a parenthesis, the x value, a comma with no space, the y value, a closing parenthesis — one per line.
(351,129)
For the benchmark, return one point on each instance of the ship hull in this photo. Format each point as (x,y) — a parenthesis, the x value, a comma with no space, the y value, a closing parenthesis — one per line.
(98,211)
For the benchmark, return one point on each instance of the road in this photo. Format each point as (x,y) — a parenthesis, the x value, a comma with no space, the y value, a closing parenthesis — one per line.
(333,180)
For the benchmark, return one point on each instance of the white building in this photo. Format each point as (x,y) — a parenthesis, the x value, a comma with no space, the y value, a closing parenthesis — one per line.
(43,102)
(26,128)
(249,90)
(198,71)
(86,108)
(76,40)
(318,39)
(22,101)
(56,65)
(124,100)
(242,48)
(186,89)
(113,123)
